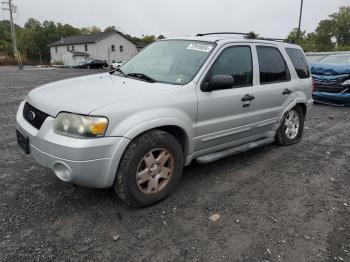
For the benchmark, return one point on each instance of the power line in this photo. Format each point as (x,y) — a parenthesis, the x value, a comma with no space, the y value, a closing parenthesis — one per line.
(12,9)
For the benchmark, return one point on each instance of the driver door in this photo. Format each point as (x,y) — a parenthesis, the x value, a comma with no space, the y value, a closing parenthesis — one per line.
(224,120)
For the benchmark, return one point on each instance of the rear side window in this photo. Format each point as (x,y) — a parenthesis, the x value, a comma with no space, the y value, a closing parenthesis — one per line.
(299,62)
(272,66)
(236,62)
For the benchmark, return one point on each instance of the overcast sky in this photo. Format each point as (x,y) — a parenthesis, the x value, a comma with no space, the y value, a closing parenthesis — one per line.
(269,18)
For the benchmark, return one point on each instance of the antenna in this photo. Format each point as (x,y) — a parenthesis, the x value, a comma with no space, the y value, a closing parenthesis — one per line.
(12,9)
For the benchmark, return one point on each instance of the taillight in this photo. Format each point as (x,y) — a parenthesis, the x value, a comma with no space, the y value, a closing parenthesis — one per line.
(313,86)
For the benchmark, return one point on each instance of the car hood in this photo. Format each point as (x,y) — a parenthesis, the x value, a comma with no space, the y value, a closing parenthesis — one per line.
(329,69)
(85,94)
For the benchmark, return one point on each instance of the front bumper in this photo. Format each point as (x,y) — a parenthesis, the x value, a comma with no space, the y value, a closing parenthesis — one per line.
(336,99)
(85,162)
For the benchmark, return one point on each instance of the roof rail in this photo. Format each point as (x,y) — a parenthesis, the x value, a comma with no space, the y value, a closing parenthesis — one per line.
(250,35)
(223,33)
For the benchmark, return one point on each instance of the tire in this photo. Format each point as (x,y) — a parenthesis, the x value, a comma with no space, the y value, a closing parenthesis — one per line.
(137,162)
(284,137)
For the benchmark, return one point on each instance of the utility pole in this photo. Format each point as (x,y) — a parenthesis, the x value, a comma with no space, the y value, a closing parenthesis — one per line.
(12,9)
(300,16)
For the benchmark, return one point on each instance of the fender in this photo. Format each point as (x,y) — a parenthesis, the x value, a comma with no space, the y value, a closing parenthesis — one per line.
(299,99)
(141,122)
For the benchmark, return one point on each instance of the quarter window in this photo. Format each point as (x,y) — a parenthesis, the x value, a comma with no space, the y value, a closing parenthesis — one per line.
(272,66)
(236,62)
(299,62)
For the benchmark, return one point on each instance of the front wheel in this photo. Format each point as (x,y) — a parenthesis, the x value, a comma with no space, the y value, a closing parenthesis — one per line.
(150,169)
(291,128)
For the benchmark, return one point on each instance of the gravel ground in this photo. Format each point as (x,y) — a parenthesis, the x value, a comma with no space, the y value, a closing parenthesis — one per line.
(275,203)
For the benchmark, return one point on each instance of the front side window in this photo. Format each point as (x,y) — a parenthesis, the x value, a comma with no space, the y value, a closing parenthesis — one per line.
(299,61)
(273,68)
(170,61)
(236,62)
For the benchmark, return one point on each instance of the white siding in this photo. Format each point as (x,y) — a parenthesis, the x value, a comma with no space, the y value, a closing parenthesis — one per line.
(100,50)
(104,50)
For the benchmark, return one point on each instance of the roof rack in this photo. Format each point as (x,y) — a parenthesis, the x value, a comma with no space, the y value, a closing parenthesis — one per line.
(223,33)
(249,36)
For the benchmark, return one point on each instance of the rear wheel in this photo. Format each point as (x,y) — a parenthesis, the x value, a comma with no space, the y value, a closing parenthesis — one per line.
(291,128)
(150,169)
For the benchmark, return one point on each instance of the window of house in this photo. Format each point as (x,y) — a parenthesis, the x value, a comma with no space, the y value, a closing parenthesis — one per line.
(73,48)
(56,49)
(236,62)
(86,48)
(113,48)
(299,62)
(67,47)
(121,48)
(272,66)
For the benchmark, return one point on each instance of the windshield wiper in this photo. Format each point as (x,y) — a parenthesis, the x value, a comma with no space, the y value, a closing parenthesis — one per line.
(142,76)
(118,70)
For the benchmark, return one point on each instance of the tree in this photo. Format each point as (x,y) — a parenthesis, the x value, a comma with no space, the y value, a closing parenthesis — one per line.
(341,26)
(5,38)
(111,29)
(90,30)
(331,34)
(161,37)
(149,39)
(323,36)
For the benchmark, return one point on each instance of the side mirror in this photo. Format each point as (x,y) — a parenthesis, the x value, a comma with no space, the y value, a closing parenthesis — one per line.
(218,82)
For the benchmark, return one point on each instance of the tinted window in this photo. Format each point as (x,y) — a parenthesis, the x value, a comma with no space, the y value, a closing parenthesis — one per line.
(299,62)
(272,66)
(236,62)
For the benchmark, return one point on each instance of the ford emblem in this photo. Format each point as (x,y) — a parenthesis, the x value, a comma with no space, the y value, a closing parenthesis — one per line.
(31,115)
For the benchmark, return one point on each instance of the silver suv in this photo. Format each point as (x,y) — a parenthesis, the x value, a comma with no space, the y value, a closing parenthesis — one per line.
(202,98)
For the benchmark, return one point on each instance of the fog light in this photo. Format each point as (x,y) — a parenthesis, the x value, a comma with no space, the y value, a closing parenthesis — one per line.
(62,171)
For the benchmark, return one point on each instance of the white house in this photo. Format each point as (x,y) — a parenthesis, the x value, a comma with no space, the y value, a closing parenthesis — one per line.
(108,46)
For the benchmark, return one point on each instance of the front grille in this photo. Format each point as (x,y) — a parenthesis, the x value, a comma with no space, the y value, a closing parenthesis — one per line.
(335,88)
(329,84)
(34,116)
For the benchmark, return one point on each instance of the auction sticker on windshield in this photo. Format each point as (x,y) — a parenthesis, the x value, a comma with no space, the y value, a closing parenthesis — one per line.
(200,47)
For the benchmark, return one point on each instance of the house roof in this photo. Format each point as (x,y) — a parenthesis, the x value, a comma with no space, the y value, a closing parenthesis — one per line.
(85,39)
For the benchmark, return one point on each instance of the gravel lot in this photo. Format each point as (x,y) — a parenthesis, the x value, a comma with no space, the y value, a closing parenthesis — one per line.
(275,203)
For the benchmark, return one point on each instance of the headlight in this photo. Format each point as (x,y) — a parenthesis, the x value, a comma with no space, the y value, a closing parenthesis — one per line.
(346,83)
(81,126)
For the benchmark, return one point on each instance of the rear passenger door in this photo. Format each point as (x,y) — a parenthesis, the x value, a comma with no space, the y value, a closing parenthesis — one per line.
(273,89)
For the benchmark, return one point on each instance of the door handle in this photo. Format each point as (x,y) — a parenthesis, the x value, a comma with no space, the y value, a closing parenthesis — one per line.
(286,92)
(247,98)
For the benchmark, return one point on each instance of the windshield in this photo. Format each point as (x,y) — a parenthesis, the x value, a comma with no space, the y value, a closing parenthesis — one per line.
(336,59)
(169,61)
